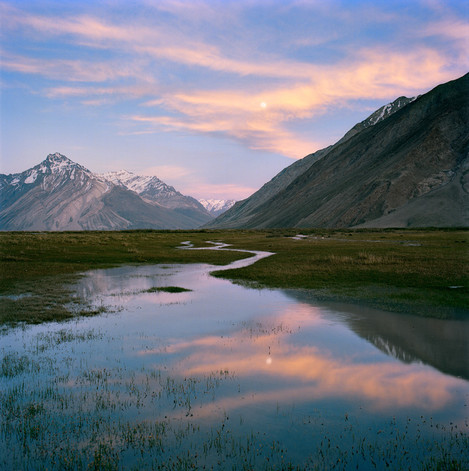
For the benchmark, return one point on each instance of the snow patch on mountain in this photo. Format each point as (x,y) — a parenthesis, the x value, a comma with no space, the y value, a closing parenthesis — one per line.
(379,115)
(31,178)
(387,110)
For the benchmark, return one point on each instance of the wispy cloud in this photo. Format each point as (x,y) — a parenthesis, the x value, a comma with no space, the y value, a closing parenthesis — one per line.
(68,70)
(204,70)
(119,92)
(450,28)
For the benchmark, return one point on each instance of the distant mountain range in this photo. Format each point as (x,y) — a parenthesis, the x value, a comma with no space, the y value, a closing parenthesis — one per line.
(217,207)
(406,165)
(153,190)
(59,194)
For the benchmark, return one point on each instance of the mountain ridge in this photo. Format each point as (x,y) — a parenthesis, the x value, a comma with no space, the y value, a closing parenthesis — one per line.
(406,170)
(241,210)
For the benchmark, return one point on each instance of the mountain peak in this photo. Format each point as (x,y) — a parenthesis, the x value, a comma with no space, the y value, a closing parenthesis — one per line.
(146,185)
(121,174)
(57,163)
(56,157)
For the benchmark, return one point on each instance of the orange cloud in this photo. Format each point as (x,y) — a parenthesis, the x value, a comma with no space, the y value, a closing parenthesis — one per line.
(238,114)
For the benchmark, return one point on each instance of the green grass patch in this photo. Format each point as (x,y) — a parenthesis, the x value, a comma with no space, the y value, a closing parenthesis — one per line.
(167,289)
(411,271)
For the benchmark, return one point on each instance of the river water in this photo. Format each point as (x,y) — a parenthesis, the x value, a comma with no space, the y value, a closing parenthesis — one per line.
(229,377)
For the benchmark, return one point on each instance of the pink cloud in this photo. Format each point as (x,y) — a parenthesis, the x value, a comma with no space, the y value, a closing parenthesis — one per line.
(238,114)
(120,92)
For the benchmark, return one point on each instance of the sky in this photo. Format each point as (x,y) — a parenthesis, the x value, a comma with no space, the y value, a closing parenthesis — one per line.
(213,97)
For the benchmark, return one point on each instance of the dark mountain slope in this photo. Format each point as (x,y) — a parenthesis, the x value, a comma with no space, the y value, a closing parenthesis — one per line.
(242,211)
(410,169)
(141,214)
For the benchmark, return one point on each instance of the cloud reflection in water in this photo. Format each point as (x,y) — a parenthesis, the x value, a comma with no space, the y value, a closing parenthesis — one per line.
(277,368)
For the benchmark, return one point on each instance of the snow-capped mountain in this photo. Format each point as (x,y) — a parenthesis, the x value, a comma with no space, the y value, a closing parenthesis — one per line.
(59,194)
(51,173)
(216,207)
(146,186)
(53,195)
(155,191)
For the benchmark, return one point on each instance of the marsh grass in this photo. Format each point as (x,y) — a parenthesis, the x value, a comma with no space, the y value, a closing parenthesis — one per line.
(60,410)
(47,340)
(63,410)
(46,265)
(14,364)
(113,418)
(397,270)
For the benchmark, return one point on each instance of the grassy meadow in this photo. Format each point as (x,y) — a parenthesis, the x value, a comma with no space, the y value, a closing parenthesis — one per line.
(415,271)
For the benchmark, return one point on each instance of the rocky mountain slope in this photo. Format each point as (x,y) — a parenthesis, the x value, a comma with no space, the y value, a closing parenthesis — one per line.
(405,166)
(216,207)
(59,194)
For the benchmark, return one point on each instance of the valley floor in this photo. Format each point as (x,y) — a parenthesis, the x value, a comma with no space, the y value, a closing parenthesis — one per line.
(422,272)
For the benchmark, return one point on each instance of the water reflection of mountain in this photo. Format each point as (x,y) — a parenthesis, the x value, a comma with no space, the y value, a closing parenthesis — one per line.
(442,344)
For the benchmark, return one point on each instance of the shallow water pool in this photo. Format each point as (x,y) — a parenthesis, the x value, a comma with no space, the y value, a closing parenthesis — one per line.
(226,377)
